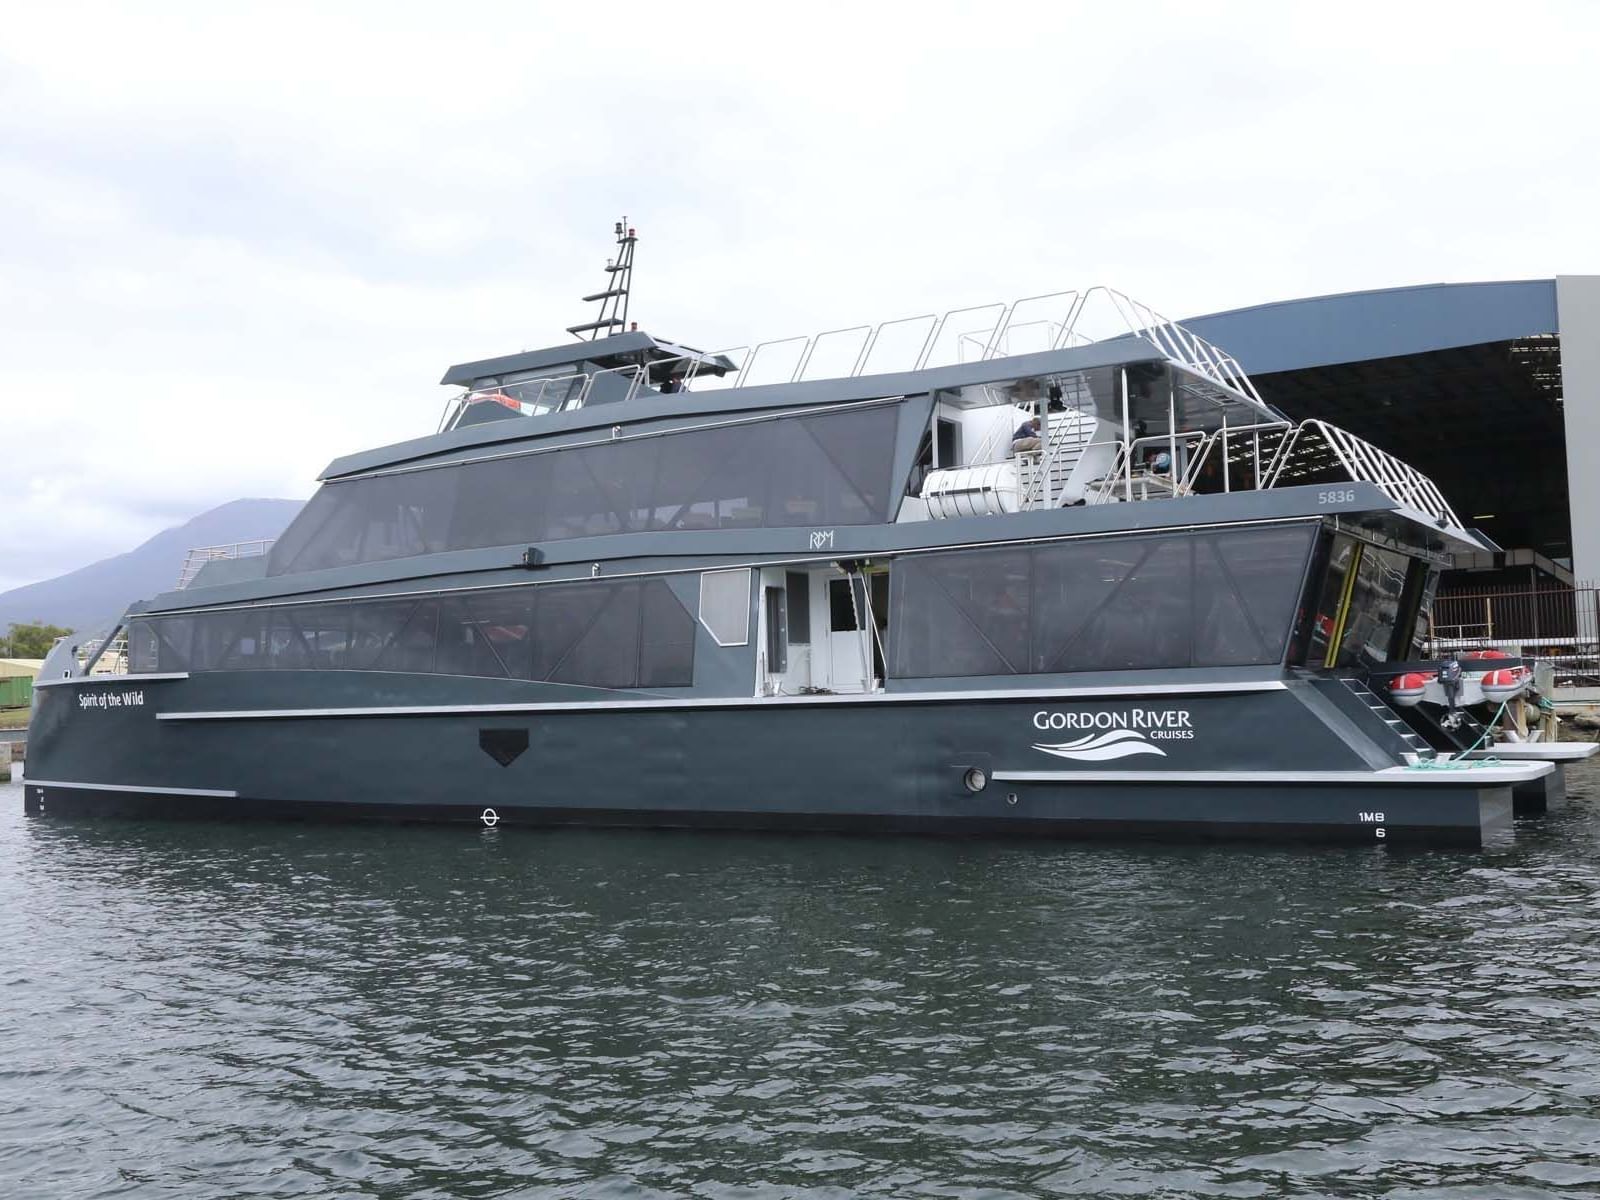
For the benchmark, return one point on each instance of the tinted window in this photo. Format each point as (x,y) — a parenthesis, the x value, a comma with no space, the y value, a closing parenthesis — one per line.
(799,608)
(1104,604)
(1374,613)
(606,652)
(623,634)
(828,468)
(777,629)
(1243,588)
(969,611)
(666,638)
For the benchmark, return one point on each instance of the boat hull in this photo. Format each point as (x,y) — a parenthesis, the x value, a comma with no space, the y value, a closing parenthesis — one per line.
(1265,760)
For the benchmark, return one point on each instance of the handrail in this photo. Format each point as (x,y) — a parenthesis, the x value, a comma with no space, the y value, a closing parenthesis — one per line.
(1180,484)
(1366,463)
(756,353)
(933,339)
(805,360)
(1009,322)
(197,558)
(927,342)
(1173,340)
(636,375)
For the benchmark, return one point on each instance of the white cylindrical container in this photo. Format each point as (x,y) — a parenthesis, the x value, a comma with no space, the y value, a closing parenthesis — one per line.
(985,491)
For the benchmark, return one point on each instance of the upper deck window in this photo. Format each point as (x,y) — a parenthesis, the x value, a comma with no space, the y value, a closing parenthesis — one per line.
(829,468)
(630,633)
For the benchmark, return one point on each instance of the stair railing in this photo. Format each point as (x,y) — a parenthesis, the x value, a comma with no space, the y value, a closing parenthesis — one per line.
(1043,471)
(1363,462)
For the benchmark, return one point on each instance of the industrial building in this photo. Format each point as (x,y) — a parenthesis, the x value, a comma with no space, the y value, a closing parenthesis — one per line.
(1493,389)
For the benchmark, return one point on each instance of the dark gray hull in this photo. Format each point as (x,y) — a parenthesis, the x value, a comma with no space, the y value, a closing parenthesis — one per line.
(1266,760)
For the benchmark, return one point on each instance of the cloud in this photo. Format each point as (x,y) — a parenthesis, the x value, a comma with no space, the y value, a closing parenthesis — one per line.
(238,241)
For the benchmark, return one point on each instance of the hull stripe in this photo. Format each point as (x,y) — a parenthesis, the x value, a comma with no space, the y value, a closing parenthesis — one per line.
(664,703)
(138,789)
(1499,773)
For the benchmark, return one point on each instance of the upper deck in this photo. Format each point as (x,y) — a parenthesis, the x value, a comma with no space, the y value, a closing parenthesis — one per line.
(650,450)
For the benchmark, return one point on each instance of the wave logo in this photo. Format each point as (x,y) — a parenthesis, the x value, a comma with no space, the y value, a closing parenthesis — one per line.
(1102,747)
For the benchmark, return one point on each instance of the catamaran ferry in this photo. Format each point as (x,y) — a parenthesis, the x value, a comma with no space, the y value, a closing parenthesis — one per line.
(1050,567)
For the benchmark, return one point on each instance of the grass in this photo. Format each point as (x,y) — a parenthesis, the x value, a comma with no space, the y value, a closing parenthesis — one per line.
(13,718)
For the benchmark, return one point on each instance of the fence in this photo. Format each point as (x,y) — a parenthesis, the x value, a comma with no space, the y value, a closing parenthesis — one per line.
(1561,624)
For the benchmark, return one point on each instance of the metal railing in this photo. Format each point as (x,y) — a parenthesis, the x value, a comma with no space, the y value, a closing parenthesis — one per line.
(1313,447)
(527,397)
(197,558)
(1557,623)
(114,659)
(1049,321)
(1065,449)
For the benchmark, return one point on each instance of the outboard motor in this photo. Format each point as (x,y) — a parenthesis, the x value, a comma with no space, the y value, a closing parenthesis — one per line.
(1450,681)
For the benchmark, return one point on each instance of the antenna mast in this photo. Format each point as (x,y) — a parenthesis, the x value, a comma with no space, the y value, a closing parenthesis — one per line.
(614,299)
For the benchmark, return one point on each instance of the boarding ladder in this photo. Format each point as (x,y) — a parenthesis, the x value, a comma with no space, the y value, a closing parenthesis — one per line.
(1388,716)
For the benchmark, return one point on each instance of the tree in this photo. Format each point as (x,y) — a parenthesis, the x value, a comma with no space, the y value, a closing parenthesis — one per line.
(30,640)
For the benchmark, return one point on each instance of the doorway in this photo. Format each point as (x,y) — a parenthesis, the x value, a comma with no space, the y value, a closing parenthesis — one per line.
(849,644)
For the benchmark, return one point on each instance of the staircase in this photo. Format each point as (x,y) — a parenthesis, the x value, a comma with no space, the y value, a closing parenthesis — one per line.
(1043,475)
(1467,733)
(1387,715)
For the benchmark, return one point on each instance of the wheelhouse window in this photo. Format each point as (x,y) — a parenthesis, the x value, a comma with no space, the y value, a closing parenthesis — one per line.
(621,634)
(1224,598)
(1367,605)
(829,468)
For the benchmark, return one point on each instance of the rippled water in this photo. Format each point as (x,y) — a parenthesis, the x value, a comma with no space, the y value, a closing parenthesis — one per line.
(278,1010)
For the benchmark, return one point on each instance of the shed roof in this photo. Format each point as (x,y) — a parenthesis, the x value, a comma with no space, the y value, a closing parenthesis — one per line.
(1317,331)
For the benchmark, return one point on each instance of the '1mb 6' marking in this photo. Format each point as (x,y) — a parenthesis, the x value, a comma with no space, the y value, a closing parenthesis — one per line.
(1372,817)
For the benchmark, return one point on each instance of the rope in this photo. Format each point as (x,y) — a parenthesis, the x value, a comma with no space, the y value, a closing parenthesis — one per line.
(1460,762)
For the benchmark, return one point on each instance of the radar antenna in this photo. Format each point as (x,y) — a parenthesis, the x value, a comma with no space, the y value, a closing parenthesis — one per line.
(614,299)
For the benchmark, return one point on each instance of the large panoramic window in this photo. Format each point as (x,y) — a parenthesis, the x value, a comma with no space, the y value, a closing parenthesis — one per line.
(623,634)
(828,468)
(1212,599)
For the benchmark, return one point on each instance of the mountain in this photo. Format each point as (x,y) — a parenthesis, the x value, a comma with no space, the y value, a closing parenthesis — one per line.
(98,593)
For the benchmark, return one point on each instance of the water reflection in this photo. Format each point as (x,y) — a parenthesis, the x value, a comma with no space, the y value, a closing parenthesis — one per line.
(284,1010)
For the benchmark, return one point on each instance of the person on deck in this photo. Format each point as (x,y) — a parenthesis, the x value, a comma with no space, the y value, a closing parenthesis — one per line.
(1026,437)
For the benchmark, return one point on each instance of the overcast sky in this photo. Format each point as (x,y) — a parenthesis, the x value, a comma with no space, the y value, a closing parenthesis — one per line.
(239,240)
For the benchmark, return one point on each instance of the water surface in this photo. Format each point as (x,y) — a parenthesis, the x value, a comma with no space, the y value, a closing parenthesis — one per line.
(205,1010)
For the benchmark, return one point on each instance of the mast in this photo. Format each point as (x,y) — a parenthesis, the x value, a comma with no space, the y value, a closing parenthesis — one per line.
(614,299)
